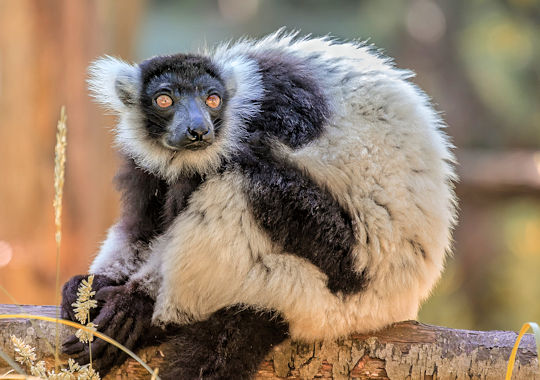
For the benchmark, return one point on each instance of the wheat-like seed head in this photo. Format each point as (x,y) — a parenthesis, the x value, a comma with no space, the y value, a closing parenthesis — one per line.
(25,352)
(84,300)
(39,370)
(59,169)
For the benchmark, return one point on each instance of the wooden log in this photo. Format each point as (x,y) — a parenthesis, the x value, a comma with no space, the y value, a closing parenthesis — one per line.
(405,350)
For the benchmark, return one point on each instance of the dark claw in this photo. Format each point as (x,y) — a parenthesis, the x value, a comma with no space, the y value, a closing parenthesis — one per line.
(74,347)
(69,341)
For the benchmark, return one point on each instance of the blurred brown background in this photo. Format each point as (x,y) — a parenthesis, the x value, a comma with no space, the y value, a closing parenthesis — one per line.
(477,59)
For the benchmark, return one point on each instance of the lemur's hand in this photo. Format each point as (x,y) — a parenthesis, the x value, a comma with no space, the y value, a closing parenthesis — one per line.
(69,293)
(126,316)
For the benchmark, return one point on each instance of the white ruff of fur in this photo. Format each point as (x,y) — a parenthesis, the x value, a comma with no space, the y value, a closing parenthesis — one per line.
(382,155)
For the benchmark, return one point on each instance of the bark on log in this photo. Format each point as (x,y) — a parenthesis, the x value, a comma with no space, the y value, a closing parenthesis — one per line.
(405,350)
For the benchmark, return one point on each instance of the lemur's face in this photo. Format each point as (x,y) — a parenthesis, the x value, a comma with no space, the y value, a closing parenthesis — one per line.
(183,100)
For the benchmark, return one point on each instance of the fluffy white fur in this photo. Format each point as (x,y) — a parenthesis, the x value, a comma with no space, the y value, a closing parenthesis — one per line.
(383,157)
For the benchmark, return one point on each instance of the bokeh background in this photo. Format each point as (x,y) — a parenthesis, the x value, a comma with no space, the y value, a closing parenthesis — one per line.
(478,60)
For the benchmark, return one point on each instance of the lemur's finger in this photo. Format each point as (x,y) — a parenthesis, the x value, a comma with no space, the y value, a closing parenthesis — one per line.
(82,358)
(106,314)
(108,355)
(73,346)
(107,293)
(69,296)
(138,330)
(69,341)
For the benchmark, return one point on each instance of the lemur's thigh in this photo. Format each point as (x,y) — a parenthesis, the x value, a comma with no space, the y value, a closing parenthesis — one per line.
(229,345)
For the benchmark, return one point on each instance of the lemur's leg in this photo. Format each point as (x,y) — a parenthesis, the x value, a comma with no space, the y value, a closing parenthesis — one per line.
(231,344)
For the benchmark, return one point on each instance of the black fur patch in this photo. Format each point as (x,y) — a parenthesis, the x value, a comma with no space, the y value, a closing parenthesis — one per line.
(149,203)
(143,200)
(178,195)
(187,66)
(301,216)
(231,344)
(294,108)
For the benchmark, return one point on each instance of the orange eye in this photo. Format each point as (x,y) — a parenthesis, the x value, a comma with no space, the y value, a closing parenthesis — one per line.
(164,101)
(213,101)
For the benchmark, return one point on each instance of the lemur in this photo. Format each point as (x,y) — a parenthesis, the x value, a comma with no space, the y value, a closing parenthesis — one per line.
(285,187)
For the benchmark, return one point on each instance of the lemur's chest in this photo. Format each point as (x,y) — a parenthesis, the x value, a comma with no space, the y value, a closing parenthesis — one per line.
(207,188)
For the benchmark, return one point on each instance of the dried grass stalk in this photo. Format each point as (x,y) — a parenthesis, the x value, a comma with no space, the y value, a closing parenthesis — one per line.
(59,171)
(59,174)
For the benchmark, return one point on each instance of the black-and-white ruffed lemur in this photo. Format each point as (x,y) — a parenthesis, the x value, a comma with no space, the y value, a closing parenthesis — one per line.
(286,187)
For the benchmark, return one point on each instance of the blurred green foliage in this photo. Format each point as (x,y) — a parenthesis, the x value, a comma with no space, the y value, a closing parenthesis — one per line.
(506,289)
(500,49)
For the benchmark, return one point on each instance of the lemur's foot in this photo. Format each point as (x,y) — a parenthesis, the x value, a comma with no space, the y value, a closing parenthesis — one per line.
(229,345)
(125,315)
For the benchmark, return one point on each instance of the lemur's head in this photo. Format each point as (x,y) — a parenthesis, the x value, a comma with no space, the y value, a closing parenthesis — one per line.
(178,113)
(182,99)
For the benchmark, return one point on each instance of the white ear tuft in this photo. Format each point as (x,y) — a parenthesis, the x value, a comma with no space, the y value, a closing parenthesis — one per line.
(114,83)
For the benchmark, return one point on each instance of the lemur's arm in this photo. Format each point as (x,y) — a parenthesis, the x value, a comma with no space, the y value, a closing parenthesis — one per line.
(301,216)
(124,312)
(126,305)
(124,249)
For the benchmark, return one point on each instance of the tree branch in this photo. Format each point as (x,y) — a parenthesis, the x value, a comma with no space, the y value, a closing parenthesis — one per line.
(405,350)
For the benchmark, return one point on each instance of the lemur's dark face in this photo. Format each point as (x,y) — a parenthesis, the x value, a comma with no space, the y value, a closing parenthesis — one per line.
(183,100)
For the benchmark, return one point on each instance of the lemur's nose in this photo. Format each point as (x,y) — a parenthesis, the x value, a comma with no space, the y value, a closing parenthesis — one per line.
(197,133)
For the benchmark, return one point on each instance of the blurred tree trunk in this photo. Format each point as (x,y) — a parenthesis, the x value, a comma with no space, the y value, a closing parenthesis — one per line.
(49,44)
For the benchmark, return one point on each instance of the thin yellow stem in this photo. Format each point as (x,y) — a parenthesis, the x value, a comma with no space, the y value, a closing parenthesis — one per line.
(89,341)
(11,363)
(57,302)
(512,360)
